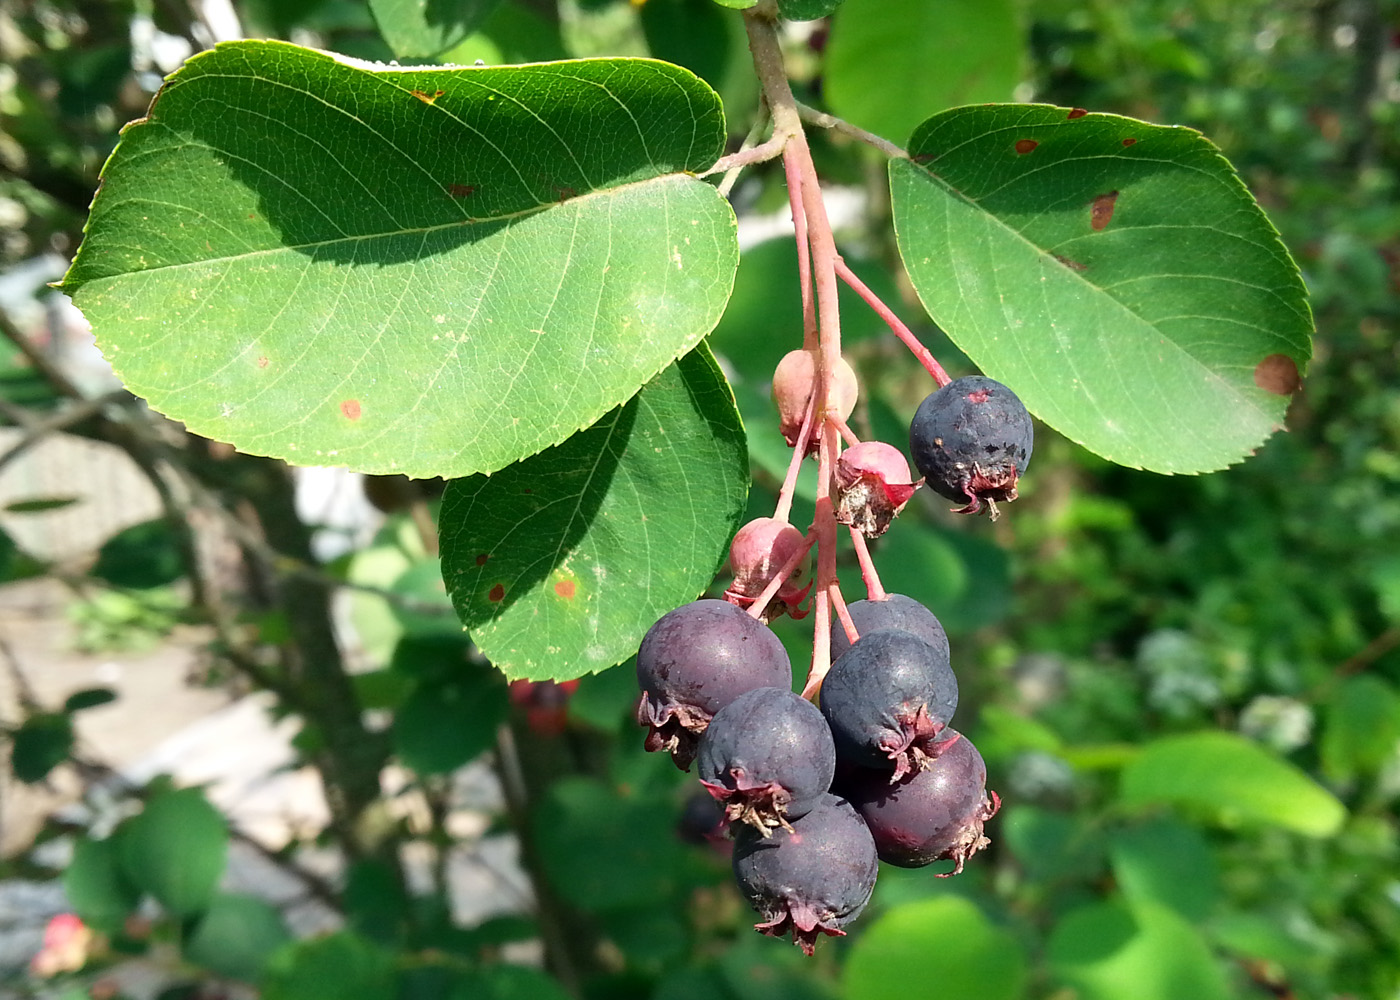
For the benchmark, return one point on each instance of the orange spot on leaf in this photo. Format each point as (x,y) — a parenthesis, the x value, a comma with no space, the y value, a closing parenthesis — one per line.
(263,362)
(351,409)
(1129,141)
(461,190)
(565,589)
(496,593)
(1278,373)
(1024,146)
(1101,211)
(425,97)
(1076,113)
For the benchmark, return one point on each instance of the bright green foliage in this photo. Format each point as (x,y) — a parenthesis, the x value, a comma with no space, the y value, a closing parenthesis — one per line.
(1227,777)
(330,968)
(236,936)
(807,10)
(1166,861)
(560,563)
(1117,274)
(891,63)
(1107,951)
(434,272)
(448,721)
(175,850)
(97,887)
(40,744)
(945,941)
(425,28)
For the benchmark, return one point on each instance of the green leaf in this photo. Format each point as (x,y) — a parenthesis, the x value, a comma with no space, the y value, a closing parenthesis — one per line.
(561,562)
(1107,952)
(1167,862)
(945,942)
(95,885)
(429,271)
(942,54)
(632,855)
(1116,274)
(443,726)
(39,505)
(89,698)
(509,982)
(1362,727)
(807,10)
(692,33)
(175,850)
(41,743)
(333,967)
(1232,779)
(236,937)
(421,28)
(144,555)
(737,4)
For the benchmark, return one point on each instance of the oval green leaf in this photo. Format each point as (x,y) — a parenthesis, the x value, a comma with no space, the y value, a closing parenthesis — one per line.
(945,942)
(237,936)
(444,725)
(96,887)
(175,850)
(41,743)
(430,271)
(333,967)
(416,29)
(942,54)
(559,564)
(1235,780)
(1116,274)
(1105,951)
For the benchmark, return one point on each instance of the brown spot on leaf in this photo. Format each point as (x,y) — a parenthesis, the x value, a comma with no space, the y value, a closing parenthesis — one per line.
(1076,113)
(565,589)
(1129,141)
(565,193)
(1101,211)
(351,409)
(527,492)
(263,362)
(1073,265)
(922,158)
(496,593)
(427,98)
(481,559)
(1278,373)
(1024,146)
(461,190)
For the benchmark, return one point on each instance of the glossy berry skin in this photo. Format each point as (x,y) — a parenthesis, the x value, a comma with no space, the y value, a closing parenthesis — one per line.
(929,815)
(887,699)
(810,880)
(768,757)
(694,661)
(972,440)
(895,611)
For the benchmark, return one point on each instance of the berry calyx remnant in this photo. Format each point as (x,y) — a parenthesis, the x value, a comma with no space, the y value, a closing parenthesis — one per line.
(972,440)
(694,661)
(872,486)
(758,551)
(793,382)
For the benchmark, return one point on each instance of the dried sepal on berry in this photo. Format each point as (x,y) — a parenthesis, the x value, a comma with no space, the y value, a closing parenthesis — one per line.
(873,484)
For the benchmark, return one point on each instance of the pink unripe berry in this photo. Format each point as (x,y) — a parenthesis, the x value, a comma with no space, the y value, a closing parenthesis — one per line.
(872,485)
(792,390)
(758,551)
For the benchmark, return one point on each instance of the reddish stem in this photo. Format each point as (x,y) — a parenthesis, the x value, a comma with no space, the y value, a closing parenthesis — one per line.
(843,613)
(804,251)
(873,588)
(847,435)
(784,571)
(799,452)
(895,323)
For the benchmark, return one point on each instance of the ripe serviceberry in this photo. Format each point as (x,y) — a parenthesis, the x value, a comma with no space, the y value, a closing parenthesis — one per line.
(928,815)
(758,551)
(792,390)
(891,611)
(694,661)
(972,440)
(768,757)
(872,485)
(813,879)
(886,699)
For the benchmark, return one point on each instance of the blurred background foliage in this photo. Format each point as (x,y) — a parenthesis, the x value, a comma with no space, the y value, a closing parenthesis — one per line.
(1187,689)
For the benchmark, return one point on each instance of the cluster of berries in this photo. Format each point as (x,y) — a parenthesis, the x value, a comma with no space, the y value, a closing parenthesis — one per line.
(814,795)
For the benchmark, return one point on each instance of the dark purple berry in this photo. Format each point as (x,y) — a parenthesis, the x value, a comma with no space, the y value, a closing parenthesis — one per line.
(694,661)
(702,822)
(895,611)
(887,698)
(768,757)
(813,879)
(933,814)
(972,440)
